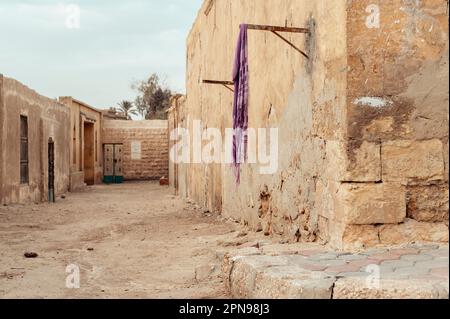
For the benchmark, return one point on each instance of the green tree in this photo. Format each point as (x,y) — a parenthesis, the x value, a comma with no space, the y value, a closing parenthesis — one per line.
(153,99)
(127,108)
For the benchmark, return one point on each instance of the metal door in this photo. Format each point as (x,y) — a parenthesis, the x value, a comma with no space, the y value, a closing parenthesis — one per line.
(108,163)
(113,171)
(118,170)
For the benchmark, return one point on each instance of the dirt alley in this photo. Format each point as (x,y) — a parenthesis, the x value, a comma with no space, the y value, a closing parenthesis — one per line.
(134,240)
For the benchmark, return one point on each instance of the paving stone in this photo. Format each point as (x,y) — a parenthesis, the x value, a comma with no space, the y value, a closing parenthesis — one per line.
(385,256)
(434,263)
(437,252)
(271,283)
(357,288)
(386,268)
(374,251)
(425,247)
(281,249)
(352,274)
(412,271)
(404,251)
(362,264)
(311,252)
(314,267)
(310,289)
(292,272)
(263,261)
(331,263)
(405,272)
(397,263)
(296,259)
(394,276)
(440,272)
(352,257)
(343,268)
(421,257)
(327,256)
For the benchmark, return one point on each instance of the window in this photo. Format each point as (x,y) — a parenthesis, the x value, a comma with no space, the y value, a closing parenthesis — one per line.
(24,175)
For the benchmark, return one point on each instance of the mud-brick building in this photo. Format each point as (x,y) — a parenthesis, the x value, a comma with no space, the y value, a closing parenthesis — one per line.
(32,127)
(362,115)
(86,151)
(135,150)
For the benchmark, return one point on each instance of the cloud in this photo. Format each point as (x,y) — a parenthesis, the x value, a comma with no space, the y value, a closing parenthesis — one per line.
(118,42)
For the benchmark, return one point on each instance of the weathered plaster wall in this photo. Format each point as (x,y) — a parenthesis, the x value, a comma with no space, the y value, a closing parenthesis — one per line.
(153,162)
(304,98)
(1,136)
(397,125)
(80,114)
(363,124)
(46,118)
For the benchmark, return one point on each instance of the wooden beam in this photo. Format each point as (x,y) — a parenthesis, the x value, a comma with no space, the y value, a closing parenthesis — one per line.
(290,43)
(224,83)
(276,28)
(218,82)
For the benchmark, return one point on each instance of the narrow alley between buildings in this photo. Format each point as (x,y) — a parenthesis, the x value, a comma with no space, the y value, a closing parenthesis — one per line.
(133,240)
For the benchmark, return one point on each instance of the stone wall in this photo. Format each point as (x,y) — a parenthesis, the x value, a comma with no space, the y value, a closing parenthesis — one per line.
(363,123)
(152,162)
(397,123)
(46,119)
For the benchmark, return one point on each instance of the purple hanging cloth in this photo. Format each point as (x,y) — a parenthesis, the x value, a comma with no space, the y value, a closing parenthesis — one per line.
(240,106)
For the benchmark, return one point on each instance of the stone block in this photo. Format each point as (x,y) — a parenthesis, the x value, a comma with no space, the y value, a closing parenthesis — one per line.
(413,161)
(364,166)
(359,288)
(413,231)
(353,237)
(367,204)
(428,203)
(281,282)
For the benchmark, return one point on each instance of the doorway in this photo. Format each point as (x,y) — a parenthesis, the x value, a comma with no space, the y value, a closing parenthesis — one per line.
(89,153)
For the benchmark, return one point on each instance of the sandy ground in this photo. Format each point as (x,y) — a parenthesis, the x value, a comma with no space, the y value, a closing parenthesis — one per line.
(134,240)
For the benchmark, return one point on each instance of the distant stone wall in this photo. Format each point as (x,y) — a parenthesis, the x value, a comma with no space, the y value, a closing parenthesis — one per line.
(145,147)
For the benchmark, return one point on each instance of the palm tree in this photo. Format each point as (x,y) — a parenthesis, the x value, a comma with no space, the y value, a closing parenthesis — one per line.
(127,108)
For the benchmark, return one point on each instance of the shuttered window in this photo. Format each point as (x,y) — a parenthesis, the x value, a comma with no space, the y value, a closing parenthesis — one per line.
(24,176)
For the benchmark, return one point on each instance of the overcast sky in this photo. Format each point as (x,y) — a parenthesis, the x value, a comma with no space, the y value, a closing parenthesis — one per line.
(117,42)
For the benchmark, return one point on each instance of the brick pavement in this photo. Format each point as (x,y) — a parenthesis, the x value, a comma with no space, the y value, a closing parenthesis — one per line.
(413,271)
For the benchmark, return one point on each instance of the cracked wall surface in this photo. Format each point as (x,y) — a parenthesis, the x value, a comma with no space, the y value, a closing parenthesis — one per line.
(363,123)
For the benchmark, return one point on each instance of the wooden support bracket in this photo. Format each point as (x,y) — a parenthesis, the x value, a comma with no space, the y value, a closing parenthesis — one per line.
(275,30)
(224,83)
